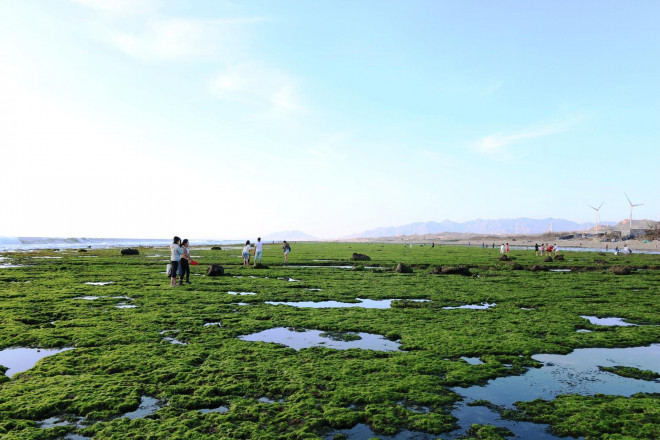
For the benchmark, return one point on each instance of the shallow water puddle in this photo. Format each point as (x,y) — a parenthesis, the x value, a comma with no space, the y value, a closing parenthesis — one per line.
(148,406)
(98,283)
(241,293)
(317,338)
(89,297)
(125,306)
(22,359)
(472,360)
(481,306)
(363,303)
(220,409)
(210,324)
(574,373)
(607,321)
(363,432)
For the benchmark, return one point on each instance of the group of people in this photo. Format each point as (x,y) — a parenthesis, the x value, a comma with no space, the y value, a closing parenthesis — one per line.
(179,261)
(258,252)
(546,248)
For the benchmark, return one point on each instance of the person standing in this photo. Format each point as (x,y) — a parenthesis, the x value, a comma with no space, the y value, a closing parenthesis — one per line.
(175,257)
(184,264)
(536,249)
(555,249)
(507,248)
(258,251)
(502,249)
(286,249)
(246,253)
(542,249)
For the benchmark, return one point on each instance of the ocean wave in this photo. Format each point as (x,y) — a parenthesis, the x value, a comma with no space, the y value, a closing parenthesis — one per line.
(36,243)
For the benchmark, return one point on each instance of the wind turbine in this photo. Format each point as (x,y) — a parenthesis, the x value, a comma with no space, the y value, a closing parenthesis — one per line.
(597,214)
(631,207)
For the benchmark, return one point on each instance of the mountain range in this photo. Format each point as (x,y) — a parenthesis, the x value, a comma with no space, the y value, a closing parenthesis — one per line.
(499,226)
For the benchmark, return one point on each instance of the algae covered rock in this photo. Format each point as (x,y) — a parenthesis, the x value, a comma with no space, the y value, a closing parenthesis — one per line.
(360,257)
(621,270)
(216,248)
(559,258)
(548,259)
(403,268)
(539,268)
(451,270)
(215,270)
(504,258)
(130,251)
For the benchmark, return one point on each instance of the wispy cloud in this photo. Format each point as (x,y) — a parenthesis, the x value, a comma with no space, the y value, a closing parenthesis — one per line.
(120,7)
(329,150)
(271,91)
(497,142)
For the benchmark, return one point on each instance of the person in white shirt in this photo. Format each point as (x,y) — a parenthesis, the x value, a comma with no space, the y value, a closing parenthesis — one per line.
(246,253)
(258,251)
(175,258)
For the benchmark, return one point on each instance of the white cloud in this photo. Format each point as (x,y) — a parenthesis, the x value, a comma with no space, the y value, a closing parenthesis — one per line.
(120,7)
(497,142)
(271,91)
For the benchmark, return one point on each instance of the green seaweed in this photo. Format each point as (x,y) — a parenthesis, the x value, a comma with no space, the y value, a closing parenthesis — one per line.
(120,355)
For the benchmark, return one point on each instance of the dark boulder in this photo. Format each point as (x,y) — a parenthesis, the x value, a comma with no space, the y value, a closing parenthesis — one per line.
(452,270)
(215,270)
(216,248)
(504,258)
(403,268)
(548,259)
(130,251)
(361,257)
(559,258)
(539,268)
(621,270)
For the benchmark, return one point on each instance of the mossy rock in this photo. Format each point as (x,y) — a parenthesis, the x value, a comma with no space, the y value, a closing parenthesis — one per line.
(82,250)
(559,258)
(360,257)
(451,270)
(539,268)
(403,268)
(130,251)
(621,270)
(504,258)
(548,259)
(216,248)
(215,270)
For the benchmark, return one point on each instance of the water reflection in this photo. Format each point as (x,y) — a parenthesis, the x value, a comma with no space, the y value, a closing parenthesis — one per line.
(147,407)
(22,359)
(481,306)
(316,338)
(363,303)
(575,373)
(608,321)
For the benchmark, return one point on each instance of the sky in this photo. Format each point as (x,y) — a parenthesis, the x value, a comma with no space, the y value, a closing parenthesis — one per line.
(226,119)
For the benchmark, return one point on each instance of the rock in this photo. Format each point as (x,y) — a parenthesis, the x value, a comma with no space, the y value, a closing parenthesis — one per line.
(547,259)
(621,270)
(539,268)
(403,268)
(130,251)
(559,257)
(504,258)
(452,270)
(215,270)
(360,257)
(216,248)
(82,250)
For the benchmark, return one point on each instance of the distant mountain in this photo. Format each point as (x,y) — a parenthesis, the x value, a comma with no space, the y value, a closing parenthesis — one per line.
(479,226)
(289,236)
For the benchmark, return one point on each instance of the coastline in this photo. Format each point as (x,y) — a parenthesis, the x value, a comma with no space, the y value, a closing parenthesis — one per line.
(518,241)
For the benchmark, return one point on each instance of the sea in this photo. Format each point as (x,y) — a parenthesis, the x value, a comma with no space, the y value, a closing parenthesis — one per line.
(8,244)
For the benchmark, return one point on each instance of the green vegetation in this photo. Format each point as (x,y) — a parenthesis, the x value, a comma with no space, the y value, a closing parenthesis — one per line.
(121,354)
(634,373)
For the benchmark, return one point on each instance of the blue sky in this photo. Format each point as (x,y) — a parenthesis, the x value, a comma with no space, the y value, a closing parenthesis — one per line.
(223,119)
